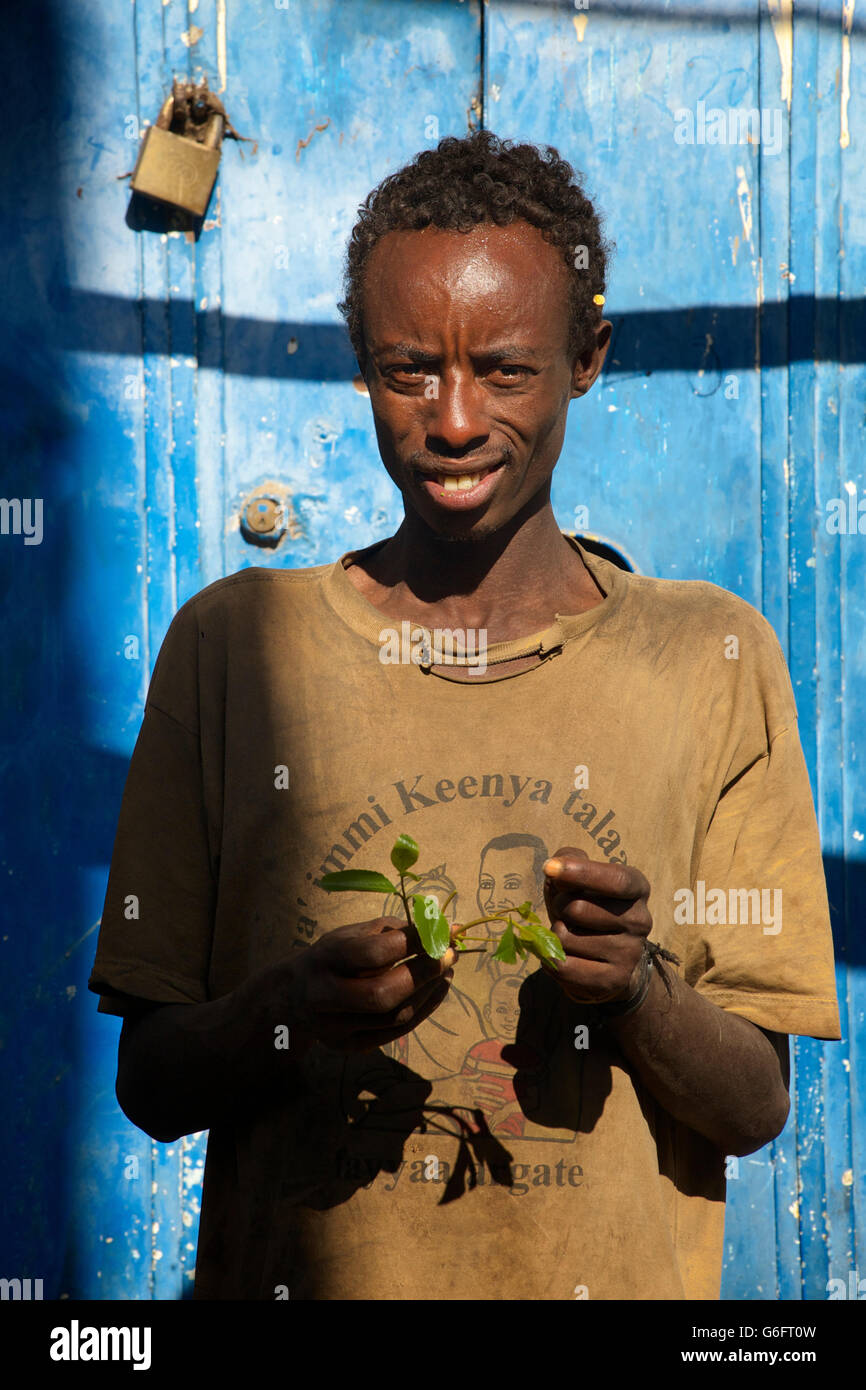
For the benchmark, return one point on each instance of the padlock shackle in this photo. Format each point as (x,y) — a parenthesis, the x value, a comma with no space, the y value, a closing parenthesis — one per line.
(166,113)
(214,135)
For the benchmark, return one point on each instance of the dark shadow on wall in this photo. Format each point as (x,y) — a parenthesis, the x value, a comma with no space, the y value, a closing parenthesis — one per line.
(800,329)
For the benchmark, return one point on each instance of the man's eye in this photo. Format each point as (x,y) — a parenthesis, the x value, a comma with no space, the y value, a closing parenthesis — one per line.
(510,373)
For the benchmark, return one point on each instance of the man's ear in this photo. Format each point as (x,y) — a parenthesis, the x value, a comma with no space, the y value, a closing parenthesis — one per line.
(590,361)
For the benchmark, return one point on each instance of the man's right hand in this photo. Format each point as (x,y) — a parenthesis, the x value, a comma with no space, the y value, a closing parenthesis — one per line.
(349,992)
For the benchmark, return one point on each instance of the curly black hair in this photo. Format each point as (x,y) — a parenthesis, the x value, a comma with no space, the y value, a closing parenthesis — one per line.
(481,178)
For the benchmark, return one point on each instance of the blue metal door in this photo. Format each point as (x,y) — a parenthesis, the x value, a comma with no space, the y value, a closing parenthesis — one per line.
(159,389)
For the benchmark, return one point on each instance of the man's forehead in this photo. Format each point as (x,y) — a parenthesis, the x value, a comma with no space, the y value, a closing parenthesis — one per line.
(513,243)
(502,273)
(511,850)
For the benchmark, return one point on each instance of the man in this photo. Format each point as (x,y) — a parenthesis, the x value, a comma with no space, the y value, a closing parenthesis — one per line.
(333,1171)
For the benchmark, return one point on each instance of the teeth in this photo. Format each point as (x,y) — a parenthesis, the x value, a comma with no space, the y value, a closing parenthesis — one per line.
(461,483)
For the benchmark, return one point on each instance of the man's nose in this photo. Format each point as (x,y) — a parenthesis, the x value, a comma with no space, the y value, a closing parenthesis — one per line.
(457,424)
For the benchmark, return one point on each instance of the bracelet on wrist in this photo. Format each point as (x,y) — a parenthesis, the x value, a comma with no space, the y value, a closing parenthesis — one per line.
(599,1014)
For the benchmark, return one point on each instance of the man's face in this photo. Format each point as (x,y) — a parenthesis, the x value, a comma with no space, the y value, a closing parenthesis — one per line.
(506,880)
(468,370)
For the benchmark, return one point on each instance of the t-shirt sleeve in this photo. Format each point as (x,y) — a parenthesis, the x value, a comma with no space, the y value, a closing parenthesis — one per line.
(157,922)
(759,941)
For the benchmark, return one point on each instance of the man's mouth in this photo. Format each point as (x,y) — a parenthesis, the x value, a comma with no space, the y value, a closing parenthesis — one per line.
(460,482)
(461,489)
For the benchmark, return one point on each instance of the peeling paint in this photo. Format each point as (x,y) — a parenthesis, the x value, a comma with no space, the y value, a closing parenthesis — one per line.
(848,1177)
(221,43)
(302,144)
(781,15)
(580,22)
(744,202)
(191,36)
(847,22)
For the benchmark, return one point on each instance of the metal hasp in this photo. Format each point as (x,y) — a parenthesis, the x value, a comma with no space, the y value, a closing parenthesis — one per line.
(179,156)
(263,519)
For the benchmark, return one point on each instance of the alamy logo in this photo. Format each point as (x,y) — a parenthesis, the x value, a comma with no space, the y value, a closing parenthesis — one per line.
(856,1287)
(733,125)
(846,516)
(22,517)
(449,646)
(76,1343)
(23,1289)
(716,908)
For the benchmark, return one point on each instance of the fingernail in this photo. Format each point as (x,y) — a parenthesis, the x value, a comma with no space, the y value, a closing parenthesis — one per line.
(449,957)
(552,867)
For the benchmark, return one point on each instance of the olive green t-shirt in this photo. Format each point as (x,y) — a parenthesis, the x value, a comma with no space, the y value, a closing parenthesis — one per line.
(502,1149)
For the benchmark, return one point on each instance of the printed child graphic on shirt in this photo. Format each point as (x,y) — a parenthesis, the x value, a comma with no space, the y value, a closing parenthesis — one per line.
(491,1065)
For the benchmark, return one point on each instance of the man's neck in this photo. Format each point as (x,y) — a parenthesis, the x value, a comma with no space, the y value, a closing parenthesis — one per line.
(510,583)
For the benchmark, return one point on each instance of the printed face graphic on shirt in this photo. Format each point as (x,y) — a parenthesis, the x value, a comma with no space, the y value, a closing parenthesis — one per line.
(510,874)
(502,1013)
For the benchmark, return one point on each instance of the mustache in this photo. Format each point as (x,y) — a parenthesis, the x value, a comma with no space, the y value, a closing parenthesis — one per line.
(423,462)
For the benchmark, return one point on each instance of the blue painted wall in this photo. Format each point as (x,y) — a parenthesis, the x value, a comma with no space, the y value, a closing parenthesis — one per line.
(151,382)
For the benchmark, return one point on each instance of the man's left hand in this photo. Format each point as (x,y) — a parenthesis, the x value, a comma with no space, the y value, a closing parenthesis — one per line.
(599,912)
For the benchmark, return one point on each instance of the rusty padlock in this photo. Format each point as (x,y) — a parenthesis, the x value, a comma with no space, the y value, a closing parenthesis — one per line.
(178,169)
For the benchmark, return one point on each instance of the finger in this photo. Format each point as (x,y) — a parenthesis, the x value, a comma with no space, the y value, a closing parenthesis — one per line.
(605,915)
(614,949)
(597,982)
(568,870)
(394,1022)
(369,1037)
(370,946)
(389,990)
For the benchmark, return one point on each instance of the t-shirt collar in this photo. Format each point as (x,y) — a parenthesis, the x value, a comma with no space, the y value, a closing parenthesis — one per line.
(370,622)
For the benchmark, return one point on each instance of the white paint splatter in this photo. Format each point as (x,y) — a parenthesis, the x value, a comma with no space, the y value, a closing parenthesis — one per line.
(221,43)
(744,201)
(847,22)
(781,12)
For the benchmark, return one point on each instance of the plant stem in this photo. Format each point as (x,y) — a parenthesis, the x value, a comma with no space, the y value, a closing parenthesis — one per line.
(477,921)
(405,901)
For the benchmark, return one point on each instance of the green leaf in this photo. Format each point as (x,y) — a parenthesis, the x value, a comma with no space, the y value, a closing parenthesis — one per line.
(507,948)
(404,854)
(433,928)
(356,881)
(525,911)
(541,942)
